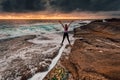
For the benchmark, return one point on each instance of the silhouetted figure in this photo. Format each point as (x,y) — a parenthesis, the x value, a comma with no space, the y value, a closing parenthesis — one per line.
(65,32)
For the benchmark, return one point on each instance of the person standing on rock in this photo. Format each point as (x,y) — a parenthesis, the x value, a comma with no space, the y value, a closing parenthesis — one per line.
(65,32)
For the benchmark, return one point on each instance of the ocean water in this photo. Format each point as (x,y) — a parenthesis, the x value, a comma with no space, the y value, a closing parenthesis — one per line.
(14,30)
(32,29)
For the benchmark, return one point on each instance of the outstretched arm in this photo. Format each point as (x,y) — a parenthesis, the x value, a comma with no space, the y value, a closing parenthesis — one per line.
(70,23)
(61,24)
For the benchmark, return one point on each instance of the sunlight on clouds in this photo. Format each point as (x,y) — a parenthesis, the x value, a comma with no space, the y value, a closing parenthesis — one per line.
(50,15)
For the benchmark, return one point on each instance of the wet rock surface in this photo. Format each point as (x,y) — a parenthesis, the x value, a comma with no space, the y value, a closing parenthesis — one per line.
(21,59)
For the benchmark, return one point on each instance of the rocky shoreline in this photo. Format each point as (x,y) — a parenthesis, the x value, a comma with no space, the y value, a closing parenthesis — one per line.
(21,59)
(95,54)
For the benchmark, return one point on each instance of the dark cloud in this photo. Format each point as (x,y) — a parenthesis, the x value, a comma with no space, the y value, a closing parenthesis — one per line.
(70,5)
(22,5)
(60,5)
(86,5)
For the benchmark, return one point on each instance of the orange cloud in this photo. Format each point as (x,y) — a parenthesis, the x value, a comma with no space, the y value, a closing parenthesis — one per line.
(52,15)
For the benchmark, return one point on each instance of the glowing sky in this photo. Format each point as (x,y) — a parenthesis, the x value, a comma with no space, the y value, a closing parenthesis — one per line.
(57,15)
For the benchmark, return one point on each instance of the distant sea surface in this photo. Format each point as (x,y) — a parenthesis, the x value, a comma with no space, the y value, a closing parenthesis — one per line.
(13,28)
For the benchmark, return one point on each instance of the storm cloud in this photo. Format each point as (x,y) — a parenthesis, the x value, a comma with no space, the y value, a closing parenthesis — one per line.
(86,5)
(59,5)
(22,5)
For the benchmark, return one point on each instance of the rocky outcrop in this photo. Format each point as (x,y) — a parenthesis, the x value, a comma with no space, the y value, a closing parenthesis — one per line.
(95,54)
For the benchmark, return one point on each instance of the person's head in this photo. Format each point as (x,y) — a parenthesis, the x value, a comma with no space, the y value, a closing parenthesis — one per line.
(66,25)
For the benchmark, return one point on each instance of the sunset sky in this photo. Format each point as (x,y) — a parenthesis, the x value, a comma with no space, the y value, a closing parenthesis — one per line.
(59,9)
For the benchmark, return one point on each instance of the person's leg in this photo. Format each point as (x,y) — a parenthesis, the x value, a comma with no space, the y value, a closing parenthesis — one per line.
(68,38)
(63,38)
